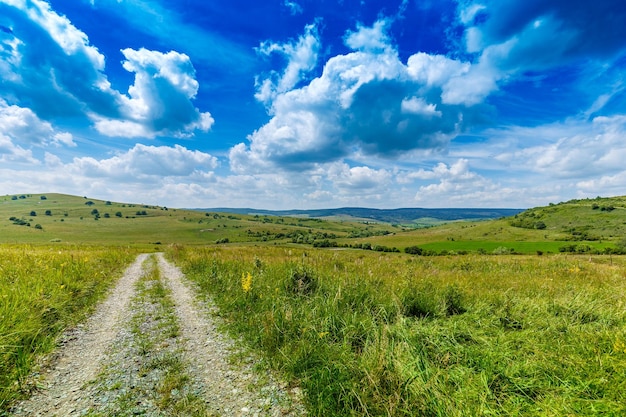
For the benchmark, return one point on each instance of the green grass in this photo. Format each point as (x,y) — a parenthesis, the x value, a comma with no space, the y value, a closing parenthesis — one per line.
(71,220)
(388,334)
(44,290)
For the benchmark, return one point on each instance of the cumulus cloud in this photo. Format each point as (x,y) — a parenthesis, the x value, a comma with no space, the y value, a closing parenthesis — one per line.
(21,130)
(144,161)
(457,183)
(160,99)
(362,179)
(301,57)
(365,101)
(47,62)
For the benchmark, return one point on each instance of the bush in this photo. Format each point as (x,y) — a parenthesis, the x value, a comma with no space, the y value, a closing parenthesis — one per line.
(33,213)
(118,214)
(301,281)
(413,250)
(48,213)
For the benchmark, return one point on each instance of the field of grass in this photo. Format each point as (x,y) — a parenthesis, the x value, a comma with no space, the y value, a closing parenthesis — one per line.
(390,334)
(44,290)
(363,332)
(45,218)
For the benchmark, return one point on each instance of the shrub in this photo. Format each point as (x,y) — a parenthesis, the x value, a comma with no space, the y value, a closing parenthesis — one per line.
(33,213)
(413,250)
(48,213)
(301,281)
(118,214)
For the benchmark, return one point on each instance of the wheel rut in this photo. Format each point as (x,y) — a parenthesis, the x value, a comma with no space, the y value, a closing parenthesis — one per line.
(153,349)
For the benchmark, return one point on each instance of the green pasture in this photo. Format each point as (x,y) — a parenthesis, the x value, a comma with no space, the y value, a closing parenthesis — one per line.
(377,334)
(67,219)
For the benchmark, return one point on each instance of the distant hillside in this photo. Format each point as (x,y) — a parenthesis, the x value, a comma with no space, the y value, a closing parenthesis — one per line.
(393,216)
(588,219)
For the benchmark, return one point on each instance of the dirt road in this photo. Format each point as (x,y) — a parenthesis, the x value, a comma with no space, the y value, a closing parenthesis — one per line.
(152,349)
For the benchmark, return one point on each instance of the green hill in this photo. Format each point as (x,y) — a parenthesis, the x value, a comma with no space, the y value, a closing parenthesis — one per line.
(574,226)
(591,225)
(42,218)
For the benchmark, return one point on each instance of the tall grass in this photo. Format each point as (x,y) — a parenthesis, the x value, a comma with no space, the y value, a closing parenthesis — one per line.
(42,292)
(371,334)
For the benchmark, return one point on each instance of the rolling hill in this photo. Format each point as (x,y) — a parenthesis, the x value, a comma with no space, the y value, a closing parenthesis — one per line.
(576,225)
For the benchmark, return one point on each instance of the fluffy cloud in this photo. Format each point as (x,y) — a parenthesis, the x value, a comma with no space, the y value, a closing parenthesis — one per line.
(160,99)
(301,57)
(365,101)
(47,62)
(21,130)
(457,185)
(142,162)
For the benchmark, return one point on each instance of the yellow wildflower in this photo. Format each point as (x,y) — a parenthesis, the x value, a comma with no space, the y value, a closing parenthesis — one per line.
(246,282)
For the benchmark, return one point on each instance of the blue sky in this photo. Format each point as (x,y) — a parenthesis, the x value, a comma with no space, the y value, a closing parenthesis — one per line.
(314,103)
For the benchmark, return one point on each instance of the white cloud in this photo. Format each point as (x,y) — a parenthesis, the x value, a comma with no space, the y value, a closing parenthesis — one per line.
(361,179)
(21,131)
(63,138)
(294,7)
(160,98)
(417,105)
(458,185)
(573,149)
(370,39)
(366,101)
(301,59)
(45,59)
(142,162)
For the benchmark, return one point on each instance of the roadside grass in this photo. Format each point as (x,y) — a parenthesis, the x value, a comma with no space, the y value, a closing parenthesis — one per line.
(389,334)
(161,377)
(43,291)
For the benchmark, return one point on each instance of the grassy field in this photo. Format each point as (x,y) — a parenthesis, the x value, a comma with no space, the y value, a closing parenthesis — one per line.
(57,218)
(44,290)
(363,332)
(389,334)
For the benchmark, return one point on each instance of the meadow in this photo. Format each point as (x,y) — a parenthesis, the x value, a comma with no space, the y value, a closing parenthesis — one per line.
(472,331)
(395,335)
(43,291)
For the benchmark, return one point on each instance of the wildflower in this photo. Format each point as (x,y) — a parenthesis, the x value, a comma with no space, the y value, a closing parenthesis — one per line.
(322,334)
(619,346)
(246,282)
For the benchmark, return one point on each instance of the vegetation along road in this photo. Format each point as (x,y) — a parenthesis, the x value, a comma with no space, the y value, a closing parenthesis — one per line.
(152,349)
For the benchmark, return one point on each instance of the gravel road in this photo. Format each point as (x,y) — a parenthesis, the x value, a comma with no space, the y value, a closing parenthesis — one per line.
(99,362)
